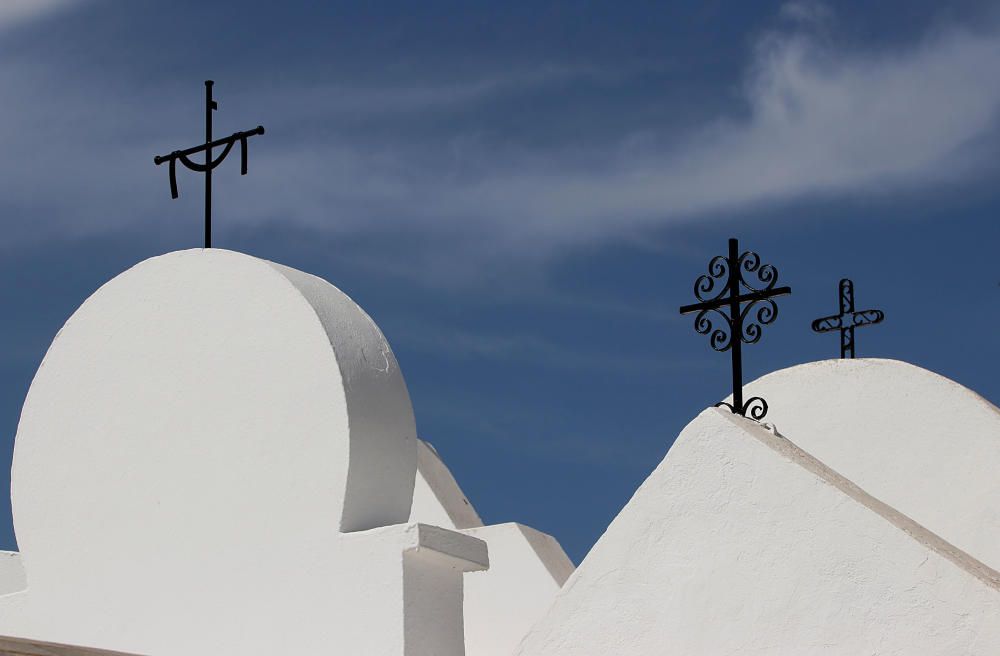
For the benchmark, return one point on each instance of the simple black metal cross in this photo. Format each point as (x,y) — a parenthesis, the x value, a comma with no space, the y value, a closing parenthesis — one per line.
(848,319)
(736,331)
(206,168)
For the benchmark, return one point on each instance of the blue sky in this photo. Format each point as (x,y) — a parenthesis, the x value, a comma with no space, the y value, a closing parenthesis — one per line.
(521,194)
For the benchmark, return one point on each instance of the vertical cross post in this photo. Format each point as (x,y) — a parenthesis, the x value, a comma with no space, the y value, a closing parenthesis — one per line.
(226,143)
(847,320)
(750,306)
(734,311)
(210,106)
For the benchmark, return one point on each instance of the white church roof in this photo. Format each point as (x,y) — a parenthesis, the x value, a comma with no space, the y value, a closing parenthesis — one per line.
(218,455)
(742,543)
(918,441)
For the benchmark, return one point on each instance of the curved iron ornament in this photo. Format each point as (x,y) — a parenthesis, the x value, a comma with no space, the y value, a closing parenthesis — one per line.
(755,407)
(764,312)
(721,338)
(766,274)
(718,268)
(736,301)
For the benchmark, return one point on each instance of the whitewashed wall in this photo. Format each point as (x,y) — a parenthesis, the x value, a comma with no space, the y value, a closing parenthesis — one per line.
(740,543)
(216,456)
(527,567)
(502,604)
(437,497)
(918,441)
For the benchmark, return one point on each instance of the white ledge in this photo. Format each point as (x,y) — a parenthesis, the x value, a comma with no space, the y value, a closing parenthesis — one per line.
(464,552)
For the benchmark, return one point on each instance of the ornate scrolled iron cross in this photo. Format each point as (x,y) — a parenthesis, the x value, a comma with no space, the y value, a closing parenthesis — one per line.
(226,143)
(750,305)
(848,319)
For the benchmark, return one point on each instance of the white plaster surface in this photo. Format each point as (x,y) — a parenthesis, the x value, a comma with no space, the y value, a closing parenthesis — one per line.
(527,567)
(437,497)
(922,443)
(11,572)
(215,457)
(741,543)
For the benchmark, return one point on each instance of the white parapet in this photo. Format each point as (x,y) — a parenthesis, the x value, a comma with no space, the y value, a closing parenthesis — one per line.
(742,543)
(217,456)
(922,443)
(527,567)
(437,497)
(527,570)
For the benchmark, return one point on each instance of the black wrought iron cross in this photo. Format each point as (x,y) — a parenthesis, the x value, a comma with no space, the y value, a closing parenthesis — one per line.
(848,319)
(736,331)
(206,168)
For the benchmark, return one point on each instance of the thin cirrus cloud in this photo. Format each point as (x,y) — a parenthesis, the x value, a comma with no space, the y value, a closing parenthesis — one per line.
(811,118)
(819,121)
(16,12)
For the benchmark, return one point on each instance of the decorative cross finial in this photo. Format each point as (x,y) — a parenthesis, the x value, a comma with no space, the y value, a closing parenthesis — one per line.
(206,168)
(729,272)
(848,319)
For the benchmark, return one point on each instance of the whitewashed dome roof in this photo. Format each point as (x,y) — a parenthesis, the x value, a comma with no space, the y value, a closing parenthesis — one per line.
(202,400)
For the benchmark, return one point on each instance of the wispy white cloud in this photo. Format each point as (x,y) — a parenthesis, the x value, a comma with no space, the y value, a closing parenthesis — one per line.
(819,121)
(806,11)
(416,97)
(815,119)
(17,12)
(812,118)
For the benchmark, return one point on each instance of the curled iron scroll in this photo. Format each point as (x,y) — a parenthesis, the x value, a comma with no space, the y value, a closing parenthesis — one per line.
(760,313)
(705,285)
(767,274)
(755,408)
(721,338)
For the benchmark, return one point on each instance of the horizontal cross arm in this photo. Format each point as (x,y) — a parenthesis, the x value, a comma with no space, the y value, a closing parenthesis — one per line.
(225,141)
(743,298)
(826,324)
(868,317)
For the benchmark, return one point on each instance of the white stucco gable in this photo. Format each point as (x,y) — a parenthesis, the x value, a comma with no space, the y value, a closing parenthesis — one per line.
(922,443)
(742,543)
